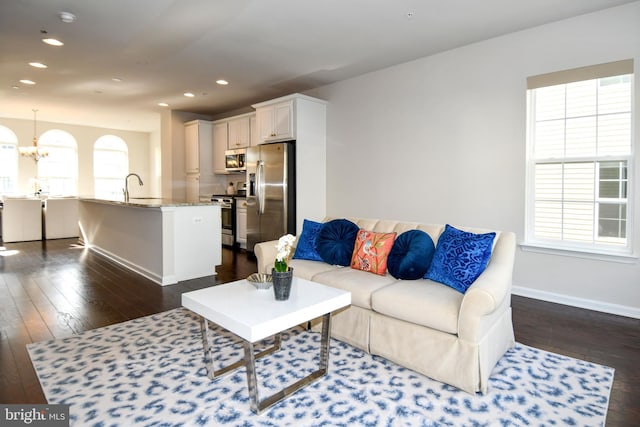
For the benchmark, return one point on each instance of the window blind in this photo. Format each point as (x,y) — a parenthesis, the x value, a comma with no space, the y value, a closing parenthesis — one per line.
(579,156)
(590,72)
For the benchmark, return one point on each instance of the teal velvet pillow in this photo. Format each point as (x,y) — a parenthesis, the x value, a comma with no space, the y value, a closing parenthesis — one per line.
(411,255)
(460,258)
(335,241)
(306,247)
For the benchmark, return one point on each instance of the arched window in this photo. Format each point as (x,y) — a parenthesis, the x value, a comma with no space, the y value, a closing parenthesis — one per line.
(110,166)
(8,161)
(58,172)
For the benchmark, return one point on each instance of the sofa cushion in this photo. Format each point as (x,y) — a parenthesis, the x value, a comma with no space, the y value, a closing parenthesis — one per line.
(306,246)
(422,302)
(411,255)
(371,250)
(460,257)
(361,284)
(335,241)
(308,269)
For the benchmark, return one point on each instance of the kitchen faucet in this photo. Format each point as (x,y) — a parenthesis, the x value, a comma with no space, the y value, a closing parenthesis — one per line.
(126,185)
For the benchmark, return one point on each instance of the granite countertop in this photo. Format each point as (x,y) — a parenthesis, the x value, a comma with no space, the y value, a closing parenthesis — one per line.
(147,202)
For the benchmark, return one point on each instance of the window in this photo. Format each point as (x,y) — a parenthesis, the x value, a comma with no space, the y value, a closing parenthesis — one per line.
(580,158)
(110,166)
(58,172)
(8,161)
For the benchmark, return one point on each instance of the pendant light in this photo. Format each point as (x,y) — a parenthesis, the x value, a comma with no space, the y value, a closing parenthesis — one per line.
(33,151)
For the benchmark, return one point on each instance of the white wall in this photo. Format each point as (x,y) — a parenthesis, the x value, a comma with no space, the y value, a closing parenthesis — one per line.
(442,140)
(138,144)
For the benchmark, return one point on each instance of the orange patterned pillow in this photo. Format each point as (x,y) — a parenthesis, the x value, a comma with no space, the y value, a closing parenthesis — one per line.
(371,250)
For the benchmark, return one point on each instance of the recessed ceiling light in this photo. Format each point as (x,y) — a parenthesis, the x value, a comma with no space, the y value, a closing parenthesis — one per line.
(163,104)
(189,95)
(53,42)
(116,79)
(222,82)
(15,87)
(37,64)
(67,17)
(27,82)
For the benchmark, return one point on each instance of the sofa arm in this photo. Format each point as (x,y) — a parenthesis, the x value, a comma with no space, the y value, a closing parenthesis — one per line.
(266,252)
(490,294)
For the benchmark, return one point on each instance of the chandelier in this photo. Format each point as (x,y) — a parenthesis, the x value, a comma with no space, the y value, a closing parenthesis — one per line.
(33,151)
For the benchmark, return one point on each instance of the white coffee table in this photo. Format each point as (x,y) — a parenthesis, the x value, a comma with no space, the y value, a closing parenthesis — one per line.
(254,315)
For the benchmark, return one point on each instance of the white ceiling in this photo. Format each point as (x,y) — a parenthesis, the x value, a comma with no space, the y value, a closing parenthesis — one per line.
(264,48)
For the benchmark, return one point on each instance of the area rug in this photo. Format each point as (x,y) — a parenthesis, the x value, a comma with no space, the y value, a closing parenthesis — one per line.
(150,372)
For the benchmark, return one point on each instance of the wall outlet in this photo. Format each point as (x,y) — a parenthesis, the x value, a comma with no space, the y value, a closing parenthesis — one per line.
(197,219)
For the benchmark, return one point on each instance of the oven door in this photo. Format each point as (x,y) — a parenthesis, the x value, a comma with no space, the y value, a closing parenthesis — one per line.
(228,217)
(227,220)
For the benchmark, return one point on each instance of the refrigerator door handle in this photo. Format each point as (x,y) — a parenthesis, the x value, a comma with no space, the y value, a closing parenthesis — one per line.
(260,186)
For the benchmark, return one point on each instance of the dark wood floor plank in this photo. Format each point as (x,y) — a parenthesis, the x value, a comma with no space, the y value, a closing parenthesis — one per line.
(54,288)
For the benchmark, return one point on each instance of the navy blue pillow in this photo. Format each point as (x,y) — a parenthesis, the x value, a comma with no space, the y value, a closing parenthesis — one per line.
(460,258)
(306,247)
(335,241)
(411,255)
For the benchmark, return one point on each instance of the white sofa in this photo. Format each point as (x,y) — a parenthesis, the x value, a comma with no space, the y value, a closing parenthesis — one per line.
(423,325)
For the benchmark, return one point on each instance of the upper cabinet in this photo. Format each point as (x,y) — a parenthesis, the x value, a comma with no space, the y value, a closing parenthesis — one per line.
(230,134)
(198,147)
(239,132)
(303,119)
(253,130)
(275,122)
(220,137)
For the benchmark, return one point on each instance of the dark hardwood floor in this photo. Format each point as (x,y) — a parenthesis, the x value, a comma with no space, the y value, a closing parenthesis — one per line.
(55,288)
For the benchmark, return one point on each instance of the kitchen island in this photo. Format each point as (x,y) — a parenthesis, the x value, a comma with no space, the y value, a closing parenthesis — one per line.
(164,240)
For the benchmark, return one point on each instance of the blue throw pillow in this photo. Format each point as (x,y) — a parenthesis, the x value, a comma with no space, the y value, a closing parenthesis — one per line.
(460,258)
(306,247)
(335,241)
(410,255)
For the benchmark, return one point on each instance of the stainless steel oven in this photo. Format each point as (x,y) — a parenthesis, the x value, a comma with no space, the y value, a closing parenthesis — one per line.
(228,212)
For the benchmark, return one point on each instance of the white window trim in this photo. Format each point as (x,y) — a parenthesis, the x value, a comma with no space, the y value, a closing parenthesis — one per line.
(594,254)
(624,254)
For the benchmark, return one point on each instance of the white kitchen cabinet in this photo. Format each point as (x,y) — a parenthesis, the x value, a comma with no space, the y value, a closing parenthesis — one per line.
(275,122)
(253,130)
(193,188)
(198,141)
(198,147)
(307,117)
(220,137)
(241,222)
(239,132)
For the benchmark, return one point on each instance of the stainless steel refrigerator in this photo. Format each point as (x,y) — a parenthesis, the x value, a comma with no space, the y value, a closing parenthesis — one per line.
(271,192)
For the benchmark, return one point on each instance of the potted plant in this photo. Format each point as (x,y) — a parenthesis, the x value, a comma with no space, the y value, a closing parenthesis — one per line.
(282,274)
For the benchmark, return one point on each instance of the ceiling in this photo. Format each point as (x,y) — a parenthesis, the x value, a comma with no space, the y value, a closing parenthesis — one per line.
(159,49)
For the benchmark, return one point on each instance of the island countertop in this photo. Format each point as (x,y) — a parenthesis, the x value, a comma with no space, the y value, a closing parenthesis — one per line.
(146,202)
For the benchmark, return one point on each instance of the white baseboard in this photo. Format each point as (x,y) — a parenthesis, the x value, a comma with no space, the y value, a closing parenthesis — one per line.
(168,280)
(620,310)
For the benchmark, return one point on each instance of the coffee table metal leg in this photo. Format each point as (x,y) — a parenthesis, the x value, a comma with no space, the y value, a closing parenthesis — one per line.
(208,353)
(258,405)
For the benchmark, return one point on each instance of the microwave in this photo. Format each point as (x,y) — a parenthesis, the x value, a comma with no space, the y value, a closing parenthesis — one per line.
(235,160)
